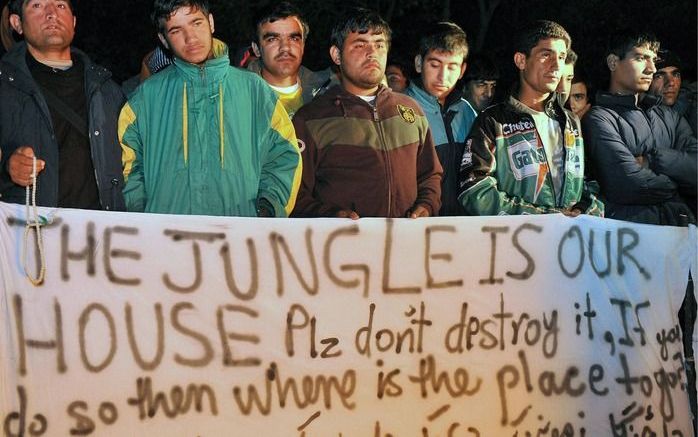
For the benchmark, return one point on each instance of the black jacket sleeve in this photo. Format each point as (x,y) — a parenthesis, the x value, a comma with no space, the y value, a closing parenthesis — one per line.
(622,179)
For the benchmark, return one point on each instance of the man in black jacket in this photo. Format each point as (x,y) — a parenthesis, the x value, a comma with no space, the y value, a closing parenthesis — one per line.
(60,108)
(643,154)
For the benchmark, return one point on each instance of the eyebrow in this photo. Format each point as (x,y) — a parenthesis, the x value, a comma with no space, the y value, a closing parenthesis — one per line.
(433,58)
(363,37)
(644,55)
(549,50)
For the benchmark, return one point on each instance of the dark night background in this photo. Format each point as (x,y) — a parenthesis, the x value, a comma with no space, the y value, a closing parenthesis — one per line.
(118,33)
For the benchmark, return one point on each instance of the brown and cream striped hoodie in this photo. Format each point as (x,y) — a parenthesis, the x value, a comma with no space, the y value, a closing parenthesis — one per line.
(376,159)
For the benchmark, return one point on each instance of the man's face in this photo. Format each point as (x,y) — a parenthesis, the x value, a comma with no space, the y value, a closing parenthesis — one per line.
(633,74)
(667,83)
(578,97)
(280,46)
(362,61)
(188,34)
(396,80)
(540,71)
(440,71)
(480,93)
(47,25)
(566,82)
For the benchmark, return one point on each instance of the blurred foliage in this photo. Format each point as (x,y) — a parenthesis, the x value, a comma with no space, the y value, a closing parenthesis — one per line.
(119,33)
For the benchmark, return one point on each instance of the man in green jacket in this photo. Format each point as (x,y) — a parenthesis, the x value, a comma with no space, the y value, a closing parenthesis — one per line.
(202,137)
(526,155)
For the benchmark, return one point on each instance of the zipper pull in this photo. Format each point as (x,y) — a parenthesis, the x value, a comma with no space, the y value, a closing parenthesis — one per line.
(375,113)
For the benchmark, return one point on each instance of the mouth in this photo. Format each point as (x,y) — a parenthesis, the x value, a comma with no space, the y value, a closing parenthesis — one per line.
(194,48)
(285,57)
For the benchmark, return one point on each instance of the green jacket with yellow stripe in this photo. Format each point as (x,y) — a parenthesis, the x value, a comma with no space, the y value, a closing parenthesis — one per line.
(209,140)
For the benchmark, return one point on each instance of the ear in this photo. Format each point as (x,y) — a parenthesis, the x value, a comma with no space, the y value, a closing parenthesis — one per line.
(462,70)
(16,23)
(255,49)
(211,23)
(612,61)
(520,61)
(163,40)
(336,55)
(418,64)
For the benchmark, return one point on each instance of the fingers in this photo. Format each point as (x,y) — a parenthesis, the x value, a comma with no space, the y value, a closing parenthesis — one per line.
(20,166)
(418,212)
(25,151)
(345,213)
(571,212)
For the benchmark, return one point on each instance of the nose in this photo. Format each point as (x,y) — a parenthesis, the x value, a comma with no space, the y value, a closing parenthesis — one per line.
(557,63)
(489,92)
(189,36)
(50,9)
(370,50)
(650,68)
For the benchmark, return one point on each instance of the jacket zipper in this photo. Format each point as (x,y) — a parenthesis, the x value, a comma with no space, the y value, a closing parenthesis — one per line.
(549,176)
(385,153)
(108,206)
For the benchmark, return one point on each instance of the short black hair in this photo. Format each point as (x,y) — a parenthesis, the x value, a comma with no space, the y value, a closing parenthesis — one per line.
(278,11)
(667,58)
(444,37)
(17,6)
(399,62)
(581,76)
(481,67)
(571,57)
(164,9)
(624,40)
(359,20)
(530,34)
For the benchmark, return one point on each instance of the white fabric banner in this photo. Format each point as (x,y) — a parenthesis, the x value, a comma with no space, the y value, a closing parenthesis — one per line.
(478,326)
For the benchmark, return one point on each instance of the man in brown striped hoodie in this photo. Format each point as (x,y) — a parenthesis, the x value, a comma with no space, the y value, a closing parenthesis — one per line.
(367,152)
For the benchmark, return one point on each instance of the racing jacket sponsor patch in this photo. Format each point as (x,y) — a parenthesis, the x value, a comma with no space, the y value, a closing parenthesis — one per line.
(525,159)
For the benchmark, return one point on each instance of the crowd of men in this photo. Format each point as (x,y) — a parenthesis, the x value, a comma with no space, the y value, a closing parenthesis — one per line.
(275,139)
(203,133)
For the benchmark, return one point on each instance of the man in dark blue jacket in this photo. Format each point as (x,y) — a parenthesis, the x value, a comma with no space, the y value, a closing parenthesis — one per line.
(443,50)
(59,108)
(642,153)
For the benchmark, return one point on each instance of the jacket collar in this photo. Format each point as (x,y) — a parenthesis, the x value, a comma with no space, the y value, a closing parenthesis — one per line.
(338,92)
(214,68)
(631,101)
(417,89)
(16,59)
(551,107)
